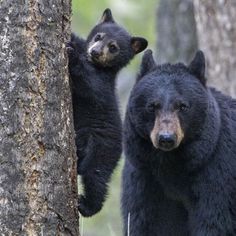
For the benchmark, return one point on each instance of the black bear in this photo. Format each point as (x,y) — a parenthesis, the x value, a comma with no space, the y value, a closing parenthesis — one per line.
(179,177)
(93,66)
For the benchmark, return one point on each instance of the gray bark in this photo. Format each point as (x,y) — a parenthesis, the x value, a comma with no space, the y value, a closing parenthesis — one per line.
(217,38)
(176,31)
(38,181)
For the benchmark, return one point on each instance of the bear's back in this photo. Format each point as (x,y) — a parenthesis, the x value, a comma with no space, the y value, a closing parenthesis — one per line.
(226,104)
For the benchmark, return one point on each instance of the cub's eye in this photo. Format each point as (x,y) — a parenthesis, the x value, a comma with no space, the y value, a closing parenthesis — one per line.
(113,48)
(97,37)
(183,107)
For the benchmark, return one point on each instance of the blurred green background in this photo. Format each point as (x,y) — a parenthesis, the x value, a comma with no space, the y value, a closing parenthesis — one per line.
(138,17)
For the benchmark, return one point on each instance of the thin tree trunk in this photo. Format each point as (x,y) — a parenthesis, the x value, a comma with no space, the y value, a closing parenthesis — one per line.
(176,31)
(216,24)
(38,181)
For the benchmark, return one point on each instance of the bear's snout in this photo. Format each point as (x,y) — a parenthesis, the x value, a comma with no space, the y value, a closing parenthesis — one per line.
(166,133)
(166,141)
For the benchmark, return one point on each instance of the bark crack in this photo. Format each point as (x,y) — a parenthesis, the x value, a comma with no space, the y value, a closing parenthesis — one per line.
(33,119)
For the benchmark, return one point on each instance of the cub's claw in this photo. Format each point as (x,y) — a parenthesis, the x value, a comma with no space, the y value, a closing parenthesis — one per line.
(70,47)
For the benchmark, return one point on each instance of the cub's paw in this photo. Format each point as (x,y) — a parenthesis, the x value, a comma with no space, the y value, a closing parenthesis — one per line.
(88,208)
(76,45)
(72,53)
(70,47)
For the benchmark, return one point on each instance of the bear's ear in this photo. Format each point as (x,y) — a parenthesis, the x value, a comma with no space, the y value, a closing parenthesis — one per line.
(147,64)
(138,44)
(107,17)
(197,67)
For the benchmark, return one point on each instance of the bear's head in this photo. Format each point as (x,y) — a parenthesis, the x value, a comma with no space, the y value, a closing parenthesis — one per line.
(168,104)
(110,45)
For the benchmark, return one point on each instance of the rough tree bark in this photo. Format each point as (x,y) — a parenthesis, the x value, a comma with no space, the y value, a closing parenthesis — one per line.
(217,38)
(176,31)
(38,182)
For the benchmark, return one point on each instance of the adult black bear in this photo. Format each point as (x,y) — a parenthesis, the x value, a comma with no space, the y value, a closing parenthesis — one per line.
(93,65)
(179,177)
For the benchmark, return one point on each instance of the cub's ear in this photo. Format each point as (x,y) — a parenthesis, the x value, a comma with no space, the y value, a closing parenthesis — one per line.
(197,67)
(107,17)
(147,64)
(138,44)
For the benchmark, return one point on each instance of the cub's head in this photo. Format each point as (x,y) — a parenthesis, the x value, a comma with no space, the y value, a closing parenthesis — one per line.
(110,45)
(168,104)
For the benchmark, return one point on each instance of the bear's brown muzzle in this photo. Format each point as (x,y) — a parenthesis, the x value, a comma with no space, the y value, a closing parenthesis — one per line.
(167,133)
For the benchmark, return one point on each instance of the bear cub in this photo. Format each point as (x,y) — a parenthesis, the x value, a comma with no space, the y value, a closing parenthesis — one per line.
(93,66)
(179,177)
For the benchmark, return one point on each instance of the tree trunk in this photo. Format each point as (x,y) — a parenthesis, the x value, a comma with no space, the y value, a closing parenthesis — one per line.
(176,31)
(38,180)
(217,38)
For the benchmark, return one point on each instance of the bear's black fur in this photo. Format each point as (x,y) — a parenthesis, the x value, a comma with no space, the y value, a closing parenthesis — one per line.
(179,177)
(93,65)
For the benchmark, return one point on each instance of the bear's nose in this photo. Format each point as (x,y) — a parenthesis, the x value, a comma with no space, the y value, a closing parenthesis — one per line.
(95,53)
(166,141)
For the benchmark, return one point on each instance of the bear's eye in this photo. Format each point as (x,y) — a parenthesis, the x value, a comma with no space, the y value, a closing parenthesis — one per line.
(183,107)
(97,37)
(153,107)
(113,48)
(150,108)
